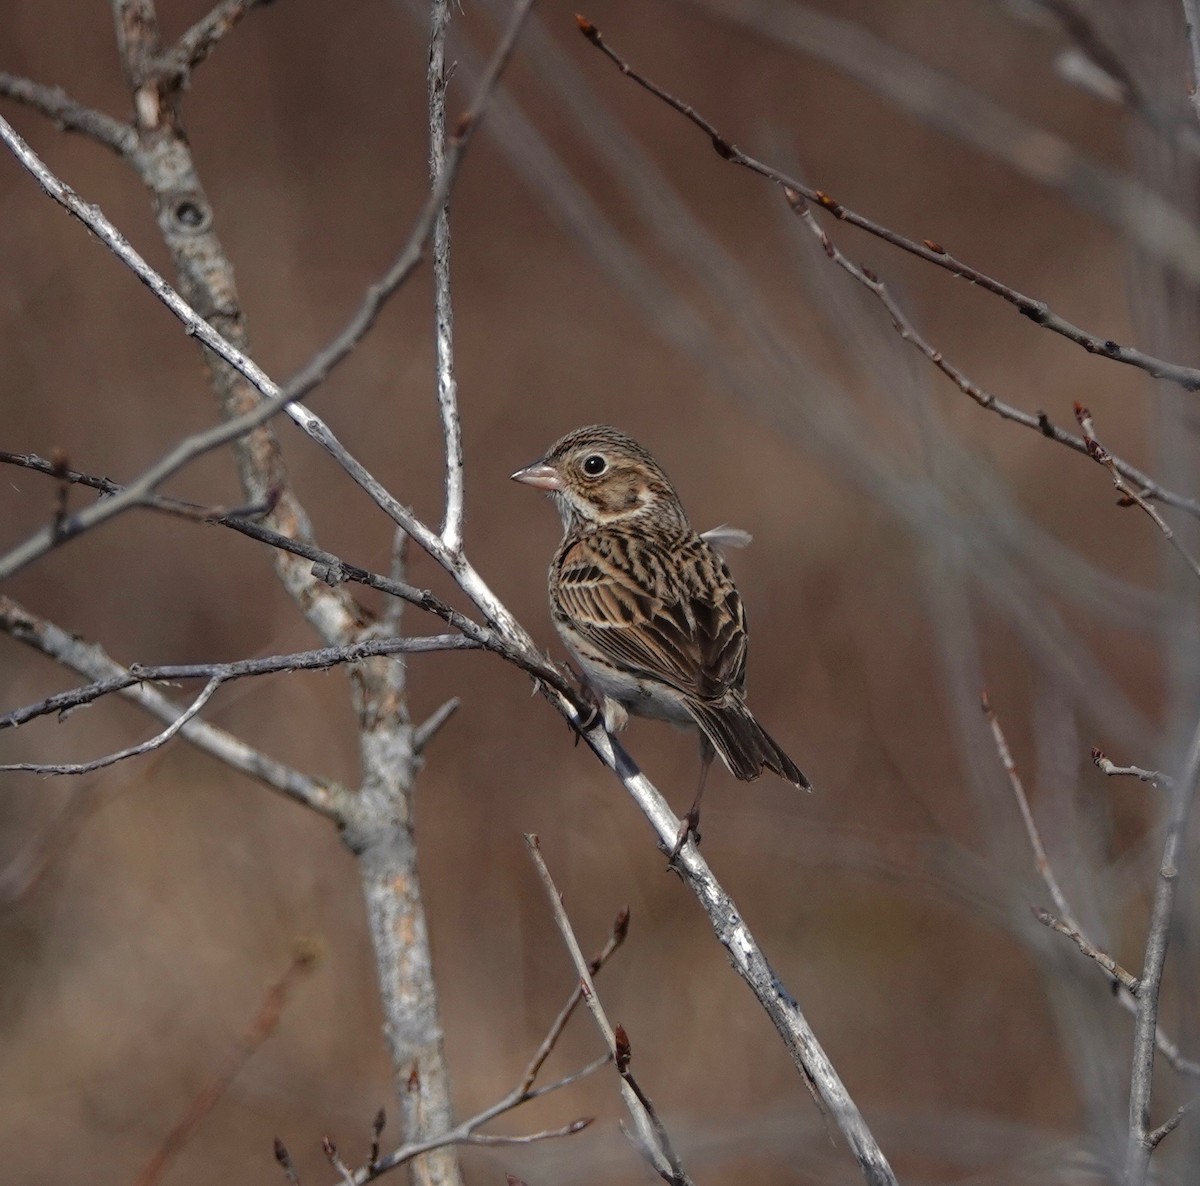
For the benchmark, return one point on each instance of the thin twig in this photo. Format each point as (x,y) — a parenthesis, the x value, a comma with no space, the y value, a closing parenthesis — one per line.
(956,108)
(180,507)
(176,64)
(1038,422)
(91,661)
(1126,979)
(620,930)
(1145,1030)
(320,366)
(1171,1123)
(464,1132)
(335,1160)
(69,114)
(521,1092)
(276,399)
(155,742)
(654,1142)
(1037,311)
(1128,985)
(1129,496)
(443,307)
(1155,777)
(377,1127)
(1031,830)
(425,732)
(315,660)
(264,1024)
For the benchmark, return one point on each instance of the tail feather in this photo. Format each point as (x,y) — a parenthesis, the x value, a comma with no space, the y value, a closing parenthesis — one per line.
(744,745)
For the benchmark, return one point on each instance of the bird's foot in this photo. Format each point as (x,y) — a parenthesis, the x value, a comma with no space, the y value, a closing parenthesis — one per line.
(593,708)
(689,827)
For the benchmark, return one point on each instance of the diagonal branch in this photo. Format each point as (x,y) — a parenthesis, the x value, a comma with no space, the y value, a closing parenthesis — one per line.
(201,443)
(364,317)
(1037,311)
(653,1141)
(69,114)
(264,1023)
(90,660)
(969,115)
(1039,421)
(1129,496)
(155,742)
(315,660)
(194,46)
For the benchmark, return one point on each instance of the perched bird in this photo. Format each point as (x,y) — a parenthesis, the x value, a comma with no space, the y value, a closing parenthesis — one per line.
(647,606)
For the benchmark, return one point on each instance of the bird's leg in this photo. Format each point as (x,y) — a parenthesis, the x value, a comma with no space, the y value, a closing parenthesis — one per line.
(592,700)
(691,821)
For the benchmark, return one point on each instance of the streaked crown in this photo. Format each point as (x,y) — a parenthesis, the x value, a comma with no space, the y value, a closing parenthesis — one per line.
(600,475)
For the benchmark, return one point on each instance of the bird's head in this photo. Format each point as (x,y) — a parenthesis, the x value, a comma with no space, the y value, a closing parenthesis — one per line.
(599,476)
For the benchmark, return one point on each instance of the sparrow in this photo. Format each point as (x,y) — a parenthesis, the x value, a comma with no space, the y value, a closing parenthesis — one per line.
(647,607)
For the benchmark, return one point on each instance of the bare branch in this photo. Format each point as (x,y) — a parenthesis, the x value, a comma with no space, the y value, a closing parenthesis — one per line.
(91,661)
(968,114)
(315,660)
(616,937)
(176,64)
(1145,1030)
(196,326)
(335,1160)
(190,447)
(654,1143)
(1031,830)
(523,1091)
(1156,777)
(1037,311)
(180,507)
(466,1132)
(904,326)
(1128,985)
(1169,1125)
(320,366)
(69,114)
(263,1025)
(1127,980)
(1129,496)
(447,388)
(424,733)
(155,742)
(530,1138)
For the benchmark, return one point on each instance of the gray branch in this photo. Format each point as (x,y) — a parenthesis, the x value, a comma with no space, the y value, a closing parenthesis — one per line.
(1037,311)
(91,661)
(155,742)
(69,114)
(1142,1137)
(447,388)
(315,660)
(652,1139)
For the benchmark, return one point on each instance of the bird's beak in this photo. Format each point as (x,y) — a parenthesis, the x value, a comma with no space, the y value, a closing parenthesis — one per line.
(539,475)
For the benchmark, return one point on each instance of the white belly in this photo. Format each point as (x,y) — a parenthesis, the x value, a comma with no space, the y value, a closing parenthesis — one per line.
(643,698)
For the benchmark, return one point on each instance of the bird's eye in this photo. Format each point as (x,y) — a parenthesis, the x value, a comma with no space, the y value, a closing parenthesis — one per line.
(594,465)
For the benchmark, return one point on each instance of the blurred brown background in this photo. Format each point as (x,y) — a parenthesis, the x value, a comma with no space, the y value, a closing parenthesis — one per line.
(908,549)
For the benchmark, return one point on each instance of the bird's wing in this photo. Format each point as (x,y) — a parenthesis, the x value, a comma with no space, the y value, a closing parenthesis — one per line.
(668,615)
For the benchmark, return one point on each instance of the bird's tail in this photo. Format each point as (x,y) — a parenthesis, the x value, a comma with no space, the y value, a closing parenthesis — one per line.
(744,745)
